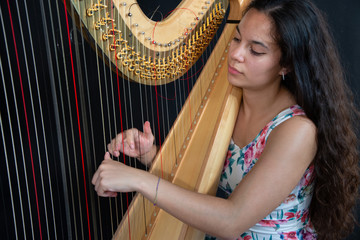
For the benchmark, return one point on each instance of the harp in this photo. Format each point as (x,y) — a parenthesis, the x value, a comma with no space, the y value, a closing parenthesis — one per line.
(35,122)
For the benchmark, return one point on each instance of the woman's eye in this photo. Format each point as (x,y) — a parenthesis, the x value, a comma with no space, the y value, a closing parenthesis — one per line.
(255,52)
(236,39)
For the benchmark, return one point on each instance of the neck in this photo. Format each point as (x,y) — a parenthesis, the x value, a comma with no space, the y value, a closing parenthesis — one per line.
(257,103)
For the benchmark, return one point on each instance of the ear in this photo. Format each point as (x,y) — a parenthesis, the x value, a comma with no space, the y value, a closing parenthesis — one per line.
(284,71)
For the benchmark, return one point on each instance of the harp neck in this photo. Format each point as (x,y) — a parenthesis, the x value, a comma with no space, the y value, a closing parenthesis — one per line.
(146,51)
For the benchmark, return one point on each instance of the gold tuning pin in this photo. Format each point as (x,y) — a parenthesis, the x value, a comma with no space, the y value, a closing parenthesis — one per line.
(111,33)
(96,7)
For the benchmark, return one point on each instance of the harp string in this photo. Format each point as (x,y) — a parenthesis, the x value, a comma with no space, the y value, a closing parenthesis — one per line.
(86,129)
(14,153)
(115,127)
(68,146)
(41,112)
(105,76)
(102,114)
(143,120)
(57,111)
(111,130)
(26,117)
(121,122)
(78,120)
(108,77)
(103,126)
(164,96)
(66,137)
(122,125)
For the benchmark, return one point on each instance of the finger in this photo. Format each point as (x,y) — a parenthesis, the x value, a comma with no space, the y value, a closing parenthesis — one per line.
(112,146)
(100,187)
(130,138)
(119,141)
(110,194)
(116,144)
(120,138)
(107,156)
(147,129)
(97,185)
(95,177)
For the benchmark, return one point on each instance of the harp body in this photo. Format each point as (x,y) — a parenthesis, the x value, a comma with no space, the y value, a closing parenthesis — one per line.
(141,51)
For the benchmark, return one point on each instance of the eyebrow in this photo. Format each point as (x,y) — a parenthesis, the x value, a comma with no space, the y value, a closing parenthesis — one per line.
(253,41)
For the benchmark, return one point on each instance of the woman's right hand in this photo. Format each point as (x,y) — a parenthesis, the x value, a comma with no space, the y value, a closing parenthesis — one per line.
(135,143)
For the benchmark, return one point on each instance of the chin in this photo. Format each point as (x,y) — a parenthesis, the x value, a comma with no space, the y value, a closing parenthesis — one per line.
(235,82)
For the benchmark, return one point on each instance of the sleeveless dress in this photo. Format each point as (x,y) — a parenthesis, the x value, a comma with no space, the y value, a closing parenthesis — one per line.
(291,219)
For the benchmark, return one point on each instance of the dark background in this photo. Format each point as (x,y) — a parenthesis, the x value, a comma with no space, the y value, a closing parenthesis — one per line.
(343,17)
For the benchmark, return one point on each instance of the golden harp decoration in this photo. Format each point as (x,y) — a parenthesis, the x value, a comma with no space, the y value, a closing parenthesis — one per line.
(145,51)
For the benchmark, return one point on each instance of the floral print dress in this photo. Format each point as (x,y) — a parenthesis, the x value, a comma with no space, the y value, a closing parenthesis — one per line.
(290,220)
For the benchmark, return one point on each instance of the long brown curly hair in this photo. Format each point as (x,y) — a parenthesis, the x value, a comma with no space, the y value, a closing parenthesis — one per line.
(318,83)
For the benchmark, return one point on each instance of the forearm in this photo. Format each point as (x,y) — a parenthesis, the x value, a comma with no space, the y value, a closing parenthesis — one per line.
(206,213)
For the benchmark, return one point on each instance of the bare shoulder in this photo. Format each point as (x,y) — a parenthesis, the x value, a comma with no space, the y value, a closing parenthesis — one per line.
(296,127)
(295,136)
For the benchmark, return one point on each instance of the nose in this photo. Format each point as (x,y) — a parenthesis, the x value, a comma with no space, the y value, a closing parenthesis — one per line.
(237,52)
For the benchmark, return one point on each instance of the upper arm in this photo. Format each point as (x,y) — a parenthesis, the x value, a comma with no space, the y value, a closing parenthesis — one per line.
(290,149)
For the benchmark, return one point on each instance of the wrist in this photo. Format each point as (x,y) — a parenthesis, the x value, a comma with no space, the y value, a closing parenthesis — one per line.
(149,156)
(141,179)
(149,186)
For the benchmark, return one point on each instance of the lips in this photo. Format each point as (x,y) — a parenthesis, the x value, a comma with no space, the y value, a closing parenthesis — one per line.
(233,70)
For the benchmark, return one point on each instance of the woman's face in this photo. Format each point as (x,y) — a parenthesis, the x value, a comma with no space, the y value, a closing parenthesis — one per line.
(254,55)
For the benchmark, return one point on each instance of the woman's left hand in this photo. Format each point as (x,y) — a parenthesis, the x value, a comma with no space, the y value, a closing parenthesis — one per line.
(112,177)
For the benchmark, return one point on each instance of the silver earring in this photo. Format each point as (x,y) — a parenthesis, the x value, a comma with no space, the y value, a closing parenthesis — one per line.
(283,76)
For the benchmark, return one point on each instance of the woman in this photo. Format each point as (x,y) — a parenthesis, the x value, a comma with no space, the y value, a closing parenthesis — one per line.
(291,170)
